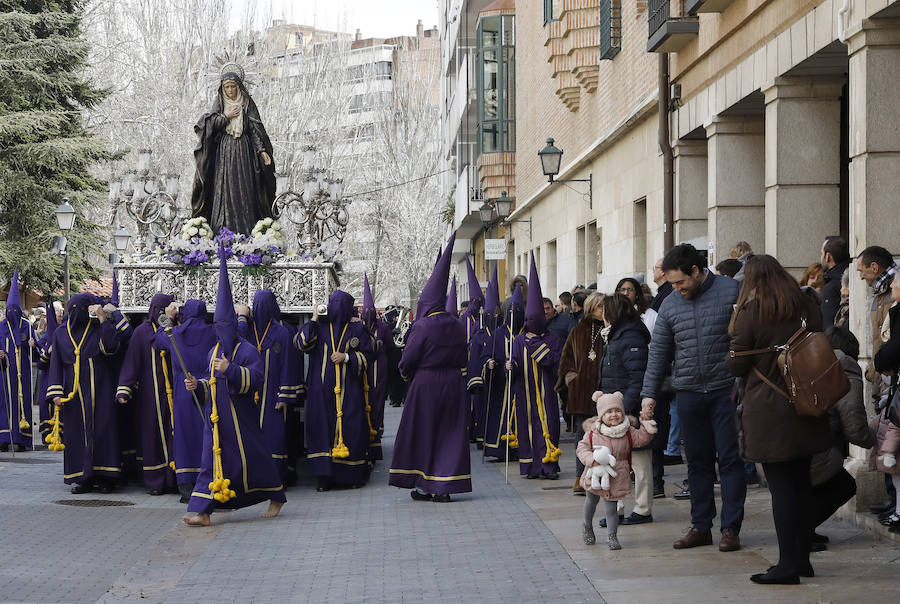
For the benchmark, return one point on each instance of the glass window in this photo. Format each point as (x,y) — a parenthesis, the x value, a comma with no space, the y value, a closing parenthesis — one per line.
(496,83)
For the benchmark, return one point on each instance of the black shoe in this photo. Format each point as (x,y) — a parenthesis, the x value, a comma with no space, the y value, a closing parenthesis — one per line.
(769,579)
(672,460)
(659,492)
(880,508)
(417,496)
(530,477)
(817,538)
(445,498)
(156,492)
(885,515)
(602,522)
(684,493)
(106,487)
(550,476)
(185,499)
(817,546)
(891,521)
(19,448)
(806,572)
(81,488)
(4,447)
(635,518)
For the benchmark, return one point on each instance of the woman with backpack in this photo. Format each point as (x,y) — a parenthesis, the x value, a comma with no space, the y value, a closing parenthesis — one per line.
(770,309)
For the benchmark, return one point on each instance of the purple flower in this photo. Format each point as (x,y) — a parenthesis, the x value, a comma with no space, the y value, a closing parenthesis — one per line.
(224,252)
(195,258)
(225,237)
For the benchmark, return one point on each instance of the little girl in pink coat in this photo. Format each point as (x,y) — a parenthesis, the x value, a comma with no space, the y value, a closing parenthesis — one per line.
(605,452)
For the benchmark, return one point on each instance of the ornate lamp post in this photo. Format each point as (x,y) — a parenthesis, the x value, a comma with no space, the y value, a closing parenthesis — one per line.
(150,199)
(319,210)
(65,218)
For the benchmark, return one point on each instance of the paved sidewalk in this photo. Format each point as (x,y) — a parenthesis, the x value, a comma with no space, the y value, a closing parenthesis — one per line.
(858,566)
(368,545)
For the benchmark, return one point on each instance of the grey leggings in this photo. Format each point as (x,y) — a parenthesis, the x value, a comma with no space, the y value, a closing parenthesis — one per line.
(609,508)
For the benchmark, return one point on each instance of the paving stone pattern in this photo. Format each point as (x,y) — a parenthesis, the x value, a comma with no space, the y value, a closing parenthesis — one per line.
(367,545)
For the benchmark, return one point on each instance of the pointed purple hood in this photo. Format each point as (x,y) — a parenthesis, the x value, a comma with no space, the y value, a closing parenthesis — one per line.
(476,297)
(368,315)
(434,295)
(114,296)
(535,319)
(265,310)
(14,310)
(452,305)
(225,319)
(51,321)
(492,297)
(515,315)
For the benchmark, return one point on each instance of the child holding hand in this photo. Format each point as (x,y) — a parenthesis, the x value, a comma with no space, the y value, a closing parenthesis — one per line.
(605,452)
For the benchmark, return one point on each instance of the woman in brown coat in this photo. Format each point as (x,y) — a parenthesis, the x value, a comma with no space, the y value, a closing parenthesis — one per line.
(769,310)
(579,368)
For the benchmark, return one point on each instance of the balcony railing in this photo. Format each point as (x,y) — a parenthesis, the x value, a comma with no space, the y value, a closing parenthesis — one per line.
(671,28)
(610,28)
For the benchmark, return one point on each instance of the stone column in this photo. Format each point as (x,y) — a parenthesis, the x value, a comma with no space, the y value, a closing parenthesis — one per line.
(735,183)
(874,51)
(690,190)
(803,121)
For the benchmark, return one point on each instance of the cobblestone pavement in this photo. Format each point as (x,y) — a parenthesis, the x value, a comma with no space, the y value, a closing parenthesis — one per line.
(368,545)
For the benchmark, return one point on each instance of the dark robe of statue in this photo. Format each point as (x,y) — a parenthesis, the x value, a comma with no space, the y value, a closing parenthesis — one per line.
(233,186)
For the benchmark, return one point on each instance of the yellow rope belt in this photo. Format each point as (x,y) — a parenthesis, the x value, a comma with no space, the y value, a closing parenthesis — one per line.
(372,432)
(55,440)
(553,452)
(23,422)
(218,488)
(511,428)
(163,354)
(340,450)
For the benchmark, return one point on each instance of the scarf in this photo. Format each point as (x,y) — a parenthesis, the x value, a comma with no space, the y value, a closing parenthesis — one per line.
(883,282)
(235,125)
(604,333)
(615,431)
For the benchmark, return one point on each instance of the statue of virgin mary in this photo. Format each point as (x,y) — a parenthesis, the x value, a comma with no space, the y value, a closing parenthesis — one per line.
(234,184)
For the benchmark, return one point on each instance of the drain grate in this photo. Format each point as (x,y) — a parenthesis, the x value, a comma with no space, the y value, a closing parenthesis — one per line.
(92,503)
(30,460)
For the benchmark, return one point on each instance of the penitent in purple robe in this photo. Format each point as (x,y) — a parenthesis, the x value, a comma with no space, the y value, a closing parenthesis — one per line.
(90,417)
(378,373)
(194,338)
(534,375)
(246,460)
(431,450)
(279,385)
(15,382)
(144,382)
(319,339)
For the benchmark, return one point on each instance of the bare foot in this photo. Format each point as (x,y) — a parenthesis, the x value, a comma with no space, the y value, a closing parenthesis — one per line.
(197,519)
(274,508)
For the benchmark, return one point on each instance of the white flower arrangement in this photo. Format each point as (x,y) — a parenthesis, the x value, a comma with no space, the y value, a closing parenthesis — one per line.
(267,227)
(196,228)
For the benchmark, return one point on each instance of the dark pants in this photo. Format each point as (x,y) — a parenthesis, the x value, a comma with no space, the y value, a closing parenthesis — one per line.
(709,431)
(830,495)
(792,499)
(579,434)
(661,439)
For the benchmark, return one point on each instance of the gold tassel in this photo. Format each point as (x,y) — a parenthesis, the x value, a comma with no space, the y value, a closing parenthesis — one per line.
(218,488)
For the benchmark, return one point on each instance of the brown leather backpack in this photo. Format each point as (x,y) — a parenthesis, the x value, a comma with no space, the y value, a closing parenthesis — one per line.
(812,372)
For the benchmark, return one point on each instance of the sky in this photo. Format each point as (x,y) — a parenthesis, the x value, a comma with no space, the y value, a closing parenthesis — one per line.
(376,18)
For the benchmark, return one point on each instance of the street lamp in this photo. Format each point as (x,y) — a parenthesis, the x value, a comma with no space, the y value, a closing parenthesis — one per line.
(550,157)
(486,211)
(504,206)
(121,238)
(65,218)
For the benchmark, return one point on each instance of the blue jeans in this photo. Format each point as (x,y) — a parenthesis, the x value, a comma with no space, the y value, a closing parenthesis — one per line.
(709,432)
(673,448)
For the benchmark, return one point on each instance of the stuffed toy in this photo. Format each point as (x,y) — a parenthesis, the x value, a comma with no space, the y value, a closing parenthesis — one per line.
(603,470)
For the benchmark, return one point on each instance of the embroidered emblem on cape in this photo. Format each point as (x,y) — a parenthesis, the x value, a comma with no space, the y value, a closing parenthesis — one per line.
(277,347)
(354,342)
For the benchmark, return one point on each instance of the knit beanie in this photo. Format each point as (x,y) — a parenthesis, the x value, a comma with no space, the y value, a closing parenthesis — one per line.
(605,402)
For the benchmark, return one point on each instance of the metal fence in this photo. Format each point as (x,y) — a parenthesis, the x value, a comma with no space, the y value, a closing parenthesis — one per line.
(660,11)
(610,28)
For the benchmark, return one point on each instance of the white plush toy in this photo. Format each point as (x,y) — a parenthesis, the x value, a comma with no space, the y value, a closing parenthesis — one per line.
(601,472)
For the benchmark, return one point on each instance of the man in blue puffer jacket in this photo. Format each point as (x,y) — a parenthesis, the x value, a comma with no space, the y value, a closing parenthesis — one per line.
(692,330)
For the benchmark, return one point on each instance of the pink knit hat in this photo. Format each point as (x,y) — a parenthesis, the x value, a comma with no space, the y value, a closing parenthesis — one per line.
(605,402)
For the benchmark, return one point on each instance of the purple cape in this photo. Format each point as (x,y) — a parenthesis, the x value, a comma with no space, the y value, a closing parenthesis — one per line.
(144,380)
(15,382)
(378,374)
(533,388)
(431,450)
(91,432)
(246,460)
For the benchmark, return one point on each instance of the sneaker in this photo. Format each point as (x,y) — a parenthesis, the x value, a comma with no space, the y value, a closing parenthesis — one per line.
(731,541)
(445,498)
(602,522)
(417,496)
(635,518)
(890,520)
(694,537)
(587,535)
(684,493)
(659,492)
(613,542)
(672,460)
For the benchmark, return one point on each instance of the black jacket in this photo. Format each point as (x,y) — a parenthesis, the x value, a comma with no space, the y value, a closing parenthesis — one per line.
(831,293)
(888,356)
(624,362)
(664,290)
